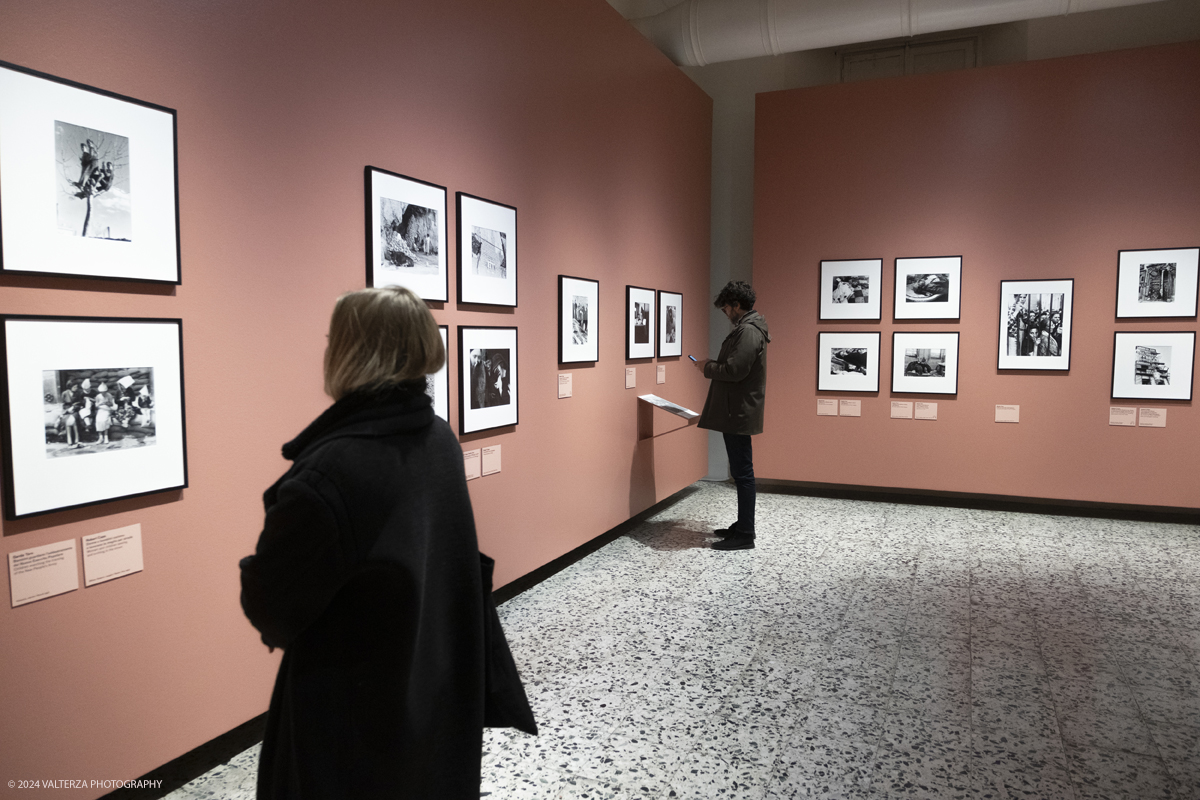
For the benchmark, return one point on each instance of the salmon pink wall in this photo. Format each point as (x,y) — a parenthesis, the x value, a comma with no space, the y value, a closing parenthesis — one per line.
(1034,170)
(558,108)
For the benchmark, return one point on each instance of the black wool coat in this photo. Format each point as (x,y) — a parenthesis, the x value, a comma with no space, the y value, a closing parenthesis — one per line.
(368,575)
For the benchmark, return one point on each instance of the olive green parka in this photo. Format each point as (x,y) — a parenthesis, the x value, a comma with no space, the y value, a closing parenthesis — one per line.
(739,379)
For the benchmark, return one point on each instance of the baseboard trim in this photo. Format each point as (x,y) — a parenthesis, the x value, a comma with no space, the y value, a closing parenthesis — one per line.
(530,579)
(196,762)
(211,754)
(988,502)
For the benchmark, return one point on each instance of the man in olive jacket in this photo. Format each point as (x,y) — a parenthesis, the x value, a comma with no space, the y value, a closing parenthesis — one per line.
(735,401)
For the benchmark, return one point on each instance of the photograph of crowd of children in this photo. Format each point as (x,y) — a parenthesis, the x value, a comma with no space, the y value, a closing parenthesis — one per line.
(489,378)
(1156,283)
(1035,324)
(851,288)
(1152,366)
(409,237)
(848,359)
(669,325)
(96,410)
(927,288)
(641,323)
(489,252)
(924,362)
(579,319)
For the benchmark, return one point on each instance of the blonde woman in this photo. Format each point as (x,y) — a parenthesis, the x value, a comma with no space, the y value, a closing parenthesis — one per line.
(368,575)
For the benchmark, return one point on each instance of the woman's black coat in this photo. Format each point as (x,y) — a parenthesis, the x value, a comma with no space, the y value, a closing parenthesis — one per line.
(367,574)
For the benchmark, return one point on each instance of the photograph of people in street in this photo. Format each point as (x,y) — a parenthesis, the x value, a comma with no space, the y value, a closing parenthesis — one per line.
(490,378)
(1035,324)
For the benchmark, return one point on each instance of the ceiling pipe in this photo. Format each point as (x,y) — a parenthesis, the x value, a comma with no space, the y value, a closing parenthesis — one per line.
(698,32)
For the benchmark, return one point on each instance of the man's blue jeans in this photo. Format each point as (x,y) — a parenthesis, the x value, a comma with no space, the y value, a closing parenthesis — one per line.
(741,469)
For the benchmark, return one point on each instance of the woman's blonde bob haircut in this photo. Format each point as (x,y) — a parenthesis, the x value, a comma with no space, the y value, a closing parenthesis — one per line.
(380,337)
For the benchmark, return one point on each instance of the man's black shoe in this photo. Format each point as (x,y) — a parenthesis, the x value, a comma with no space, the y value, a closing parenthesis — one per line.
(736,541)
(725,533)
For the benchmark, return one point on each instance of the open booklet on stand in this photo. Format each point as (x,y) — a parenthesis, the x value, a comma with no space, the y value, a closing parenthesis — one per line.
(667,405)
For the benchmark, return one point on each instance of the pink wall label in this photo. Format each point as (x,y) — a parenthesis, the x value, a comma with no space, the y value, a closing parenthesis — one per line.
(1124,416)
(1152,418)
(491,460)
(902,409)
(850,408)
(926,411)
(471,464)
(41,572)
(827,407)
(113,554)
(1008,413)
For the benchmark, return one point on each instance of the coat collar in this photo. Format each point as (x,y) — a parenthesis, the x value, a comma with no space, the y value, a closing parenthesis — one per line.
(401,406)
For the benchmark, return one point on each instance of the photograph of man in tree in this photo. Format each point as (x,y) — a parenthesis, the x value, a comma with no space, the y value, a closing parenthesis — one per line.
(92,183)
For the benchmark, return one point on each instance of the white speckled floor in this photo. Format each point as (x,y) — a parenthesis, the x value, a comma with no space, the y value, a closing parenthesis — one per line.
(863,650)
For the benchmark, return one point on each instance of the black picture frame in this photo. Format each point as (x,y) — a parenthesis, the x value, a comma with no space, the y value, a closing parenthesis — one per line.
(135,431)
(1029,336)
(1135,377)
(1137,295)
(847,378)
(498,250)
(641,335)
(571,328)
(940,378)
(670,324)
(389,194)
(131,232)
(488,383)
(935,295)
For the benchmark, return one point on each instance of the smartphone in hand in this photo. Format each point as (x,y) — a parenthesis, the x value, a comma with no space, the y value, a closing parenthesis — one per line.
(693,358)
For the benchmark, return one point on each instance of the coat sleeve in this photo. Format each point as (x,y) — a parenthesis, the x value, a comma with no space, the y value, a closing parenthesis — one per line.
(735,362)
(299,565)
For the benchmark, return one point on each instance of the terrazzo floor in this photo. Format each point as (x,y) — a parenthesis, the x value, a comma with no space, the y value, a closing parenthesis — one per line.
(863,650)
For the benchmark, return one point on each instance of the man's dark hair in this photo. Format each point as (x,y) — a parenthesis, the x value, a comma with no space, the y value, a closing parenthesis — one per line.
(736,292)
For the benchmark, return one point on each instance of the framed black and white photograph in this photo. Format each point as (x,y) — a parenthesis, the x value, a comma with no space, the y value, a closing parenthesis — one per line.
(848,362)
(851,289)
(928,288)
(639,322)
(406,234)
(1153,365)
(437,385)
(578,320)
(88,181)
(925,363)
(1157,283)
(93,410)
(670,324)
(487,251)
(1035,324)
(487,378)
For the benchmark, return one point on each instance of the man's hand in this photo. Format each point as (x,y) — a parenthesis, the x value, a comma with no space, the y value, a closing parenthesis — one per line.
(700,364)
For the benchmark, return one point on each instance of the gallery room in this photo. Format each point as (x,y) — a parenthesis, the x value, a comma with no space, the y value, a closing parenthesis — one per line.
(972,226)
